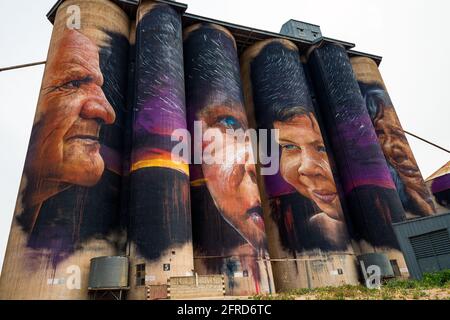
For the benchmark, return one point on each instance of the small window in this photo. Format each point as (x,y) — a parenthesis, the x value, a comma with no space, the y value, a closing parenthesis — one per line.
(140,274)
(396,268)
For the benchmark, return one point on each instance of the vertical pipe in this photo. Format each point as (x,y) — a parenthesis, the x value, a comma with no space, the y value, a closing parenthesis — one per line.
(414,194)
(68,209)
(159,205)
(128,139)
(305,220)
(229,234)
(370,192)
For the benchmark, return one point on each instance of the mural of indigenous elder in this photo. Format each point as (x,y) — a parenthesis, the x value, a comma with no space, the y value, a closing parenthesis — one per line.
(370,192)
(304,199)
(68,209)
(415,197)
(159,202)
(228,227)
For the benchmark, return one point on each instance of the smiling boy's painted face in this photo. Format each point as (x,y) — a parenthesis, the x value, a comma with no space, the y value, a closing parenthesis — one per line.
(233,184)
(304,163)
(72,107)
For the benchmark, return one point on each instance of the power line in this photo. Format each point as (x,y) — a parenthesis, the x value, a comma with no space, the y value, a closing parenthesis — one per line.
(22,66)
(426,141)
(43,62)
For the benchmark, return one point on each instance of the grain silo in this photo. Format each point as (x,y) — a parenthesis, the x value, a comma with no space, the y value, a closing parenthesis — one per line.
(228,227)
(308,236)
(67,211)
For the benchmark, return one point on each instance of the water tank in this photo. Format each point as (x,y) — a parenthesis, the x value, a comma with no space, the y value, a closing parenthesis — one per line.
(379,259)
(108,273)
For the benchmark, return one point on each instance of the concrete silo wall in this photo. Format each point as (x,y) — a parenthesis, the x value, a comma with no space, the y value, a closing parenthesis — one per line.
(228,227)
(160,232)
(308,235)
(416,198)
(371,197)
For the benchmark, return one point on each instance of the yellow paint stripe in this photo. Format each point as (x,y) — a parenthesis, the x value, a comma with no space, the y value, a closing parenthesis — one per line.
(163,163)
(198,182)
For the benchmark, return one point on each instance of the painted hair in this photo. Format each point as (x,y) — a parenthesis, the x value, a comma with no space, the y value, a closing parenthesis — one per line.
(375,97)
(279,85)
(211,63)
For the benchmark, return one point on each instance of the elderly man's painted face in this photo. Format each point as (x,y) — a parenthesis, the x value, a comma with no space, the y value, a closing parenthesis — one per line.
(304,163)
(72,107)
(233,183)
(399,155)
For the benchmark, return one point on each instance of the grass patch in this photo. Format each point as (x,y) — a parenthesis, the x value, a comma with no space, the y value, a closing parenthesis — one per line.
(393,289)
(429,281)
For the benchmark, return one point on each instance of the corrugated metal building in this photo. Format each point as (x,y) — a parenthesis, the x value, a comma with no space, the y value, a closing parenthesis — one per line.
(425,243)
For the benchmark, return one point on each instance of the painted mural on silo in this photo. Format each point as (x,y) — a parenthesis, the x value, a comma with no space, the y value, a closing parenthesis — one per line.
(416,199)
(370,192)
(307,229)
(159,201)
(68,208)
(127,138)
(228,227)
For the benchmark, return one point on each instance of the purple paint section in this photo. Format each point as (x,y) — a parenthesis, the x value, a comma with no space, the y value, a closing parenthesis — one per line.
(154,125)
(368,165)
(160,96)
(441,184)
(357,151)
(160,115)
(277,186)
(112,159)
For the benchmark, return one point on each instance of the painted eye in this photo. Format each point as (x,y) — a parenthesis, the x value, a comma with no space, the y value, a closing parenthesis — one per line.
(321,149)
(72,84)
(229,122)
(75,84)
(290,147)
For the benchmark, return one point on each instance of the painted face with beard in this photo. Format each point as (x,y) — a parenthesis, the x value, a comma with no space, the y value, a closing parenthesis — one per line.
(232,183)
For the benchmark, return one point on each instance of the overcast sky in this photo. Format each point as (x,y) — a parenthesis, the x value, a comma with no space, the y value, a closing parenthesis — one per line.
(412,37)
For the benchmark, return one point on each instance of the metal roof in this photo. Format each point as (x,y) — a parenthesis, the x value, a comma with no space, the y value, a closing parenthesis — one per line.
(245,36)
(354,53)
(444,170)
(421,219)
